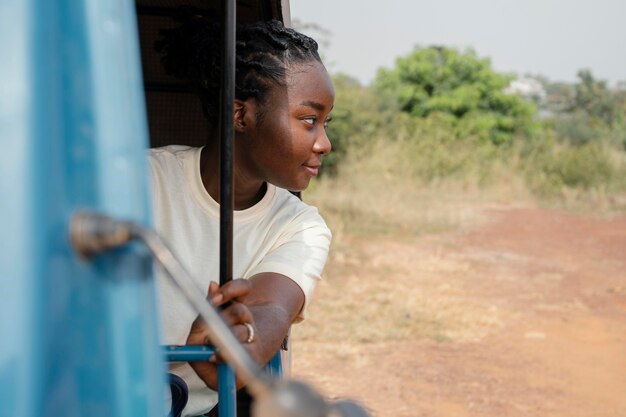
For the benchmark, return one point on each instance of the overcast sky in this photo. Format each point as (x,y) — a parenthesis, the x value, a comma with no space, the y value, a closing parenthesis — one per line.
(555,38)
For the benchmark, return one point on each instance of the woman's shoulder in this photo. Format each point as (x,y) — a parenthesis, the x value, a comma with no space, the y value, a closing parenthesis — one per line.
(292,206)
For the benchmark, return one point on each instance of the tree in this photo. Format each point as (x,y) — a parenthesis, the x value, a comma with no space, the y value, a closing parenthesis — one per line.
(587,111)
(594,99)
(462,87)
(357,115)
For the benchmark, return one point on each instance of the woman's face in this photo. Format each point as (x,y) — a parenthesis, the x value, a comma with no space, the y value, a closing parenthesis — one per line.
(285,135)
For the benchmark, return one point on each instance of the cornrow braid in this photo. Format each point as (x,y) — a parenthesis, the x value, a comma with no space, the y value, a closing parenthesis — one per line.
(264,51)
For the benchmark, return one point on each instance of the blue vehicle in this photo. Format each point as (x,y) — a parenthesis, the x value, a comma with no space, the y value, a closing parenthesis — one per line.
(78,315)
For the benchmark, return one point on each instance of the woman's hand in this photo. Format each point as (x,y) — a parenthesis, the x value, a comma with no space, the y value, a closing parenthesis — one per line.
(237,316)
(267,301)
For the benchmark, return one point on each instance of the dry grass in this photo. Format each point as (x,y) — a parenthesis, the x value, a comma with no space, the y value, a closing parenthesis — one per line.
(380,284)
(379,290)
(411,316)
(377,193)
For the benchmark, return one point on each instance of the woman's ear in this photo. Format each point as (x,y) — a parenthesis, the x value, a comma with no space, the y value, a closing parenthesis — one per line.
(245,113)
(239,114)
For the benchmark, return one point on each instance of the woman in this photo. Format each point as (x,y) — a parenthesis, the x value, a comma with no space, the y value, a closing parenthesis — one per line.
(283,98)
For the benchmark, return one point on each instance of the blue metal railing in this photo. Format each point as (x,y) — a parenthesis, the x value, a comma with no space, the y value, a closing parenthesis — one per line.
(188,353)
(200,353)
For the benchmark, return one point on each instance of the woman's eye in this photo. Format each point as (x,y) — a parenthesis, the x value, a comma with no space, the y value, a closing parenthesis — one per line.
(310,120)
(327,121)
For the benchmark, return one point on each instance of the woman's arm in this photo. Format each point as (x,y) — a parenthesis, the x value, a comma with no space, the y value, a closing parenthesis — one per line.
(267,301)
(275,301)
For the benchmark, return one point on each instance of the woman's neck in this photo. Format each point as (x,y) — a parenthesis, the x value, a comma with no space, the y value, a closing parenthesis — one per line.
(248,191)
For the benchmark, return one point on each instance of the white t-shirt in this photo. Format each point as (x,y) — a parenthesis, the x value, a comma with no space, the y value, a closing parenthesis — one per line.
(279,234)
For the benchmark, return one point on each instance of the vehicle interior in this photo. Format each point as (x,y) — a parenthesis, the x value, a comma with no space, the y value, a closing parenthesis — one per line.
(174,112)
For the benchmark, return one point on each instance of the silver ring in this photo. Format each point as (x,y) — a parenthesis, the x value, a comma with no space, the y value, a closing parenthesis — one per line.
(250,332)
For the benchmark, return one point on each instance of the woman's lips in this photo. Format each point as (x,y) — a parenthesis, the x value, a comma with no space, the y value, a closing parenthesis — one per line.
(312,170)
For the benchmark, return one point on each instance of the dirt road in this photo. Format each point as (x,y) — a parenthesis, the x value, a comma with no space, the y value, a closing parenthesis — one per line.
(523,314)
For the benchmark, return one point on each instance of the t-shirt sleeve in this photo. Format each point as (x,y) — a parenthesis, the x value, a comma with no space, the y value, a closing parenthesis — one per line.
(300,253)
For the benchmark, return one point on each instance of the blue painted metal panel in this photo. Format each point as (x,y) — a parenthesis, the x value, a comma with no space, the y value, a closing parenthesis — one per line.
(81,338)
(18,290)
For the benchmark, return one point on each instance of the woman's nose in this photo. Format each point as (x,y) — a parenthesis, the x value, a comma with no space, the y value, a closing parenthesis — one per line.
(322,144)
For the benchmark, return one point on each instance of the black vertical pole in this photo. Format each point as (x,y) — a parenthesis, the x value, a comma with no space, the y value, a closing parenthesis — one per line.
(226,142)
(227,404)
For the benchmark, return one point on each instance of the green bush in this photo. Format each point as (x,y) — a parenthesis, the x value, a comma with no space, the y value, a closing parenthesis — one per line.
(442,115)
(462,86)
(358,114)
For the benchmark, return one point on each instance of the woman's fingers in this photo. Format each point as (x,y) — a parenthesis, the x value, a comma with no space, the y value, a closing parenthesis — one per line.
(235,290)
(213,288)
(236,313)
(199,333)
(245,332)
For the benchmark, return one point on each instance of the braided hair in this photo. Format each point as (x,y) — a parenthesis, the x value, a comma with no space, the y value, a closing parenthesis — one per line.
(264,50)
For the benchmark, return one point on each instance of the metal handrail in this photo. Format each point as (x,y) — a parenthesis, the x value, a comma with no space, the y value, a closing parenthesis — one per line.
(188,353)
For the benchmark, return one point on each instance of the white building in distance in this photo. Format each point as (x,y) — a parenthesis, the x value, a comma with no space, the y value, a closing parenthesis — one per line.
(528,88)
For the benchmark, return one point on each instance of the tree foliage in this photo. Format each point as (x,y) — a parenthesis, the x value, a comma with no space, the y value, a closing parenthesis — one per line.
(357,115)
(462,88)
(593,98)
(587,111)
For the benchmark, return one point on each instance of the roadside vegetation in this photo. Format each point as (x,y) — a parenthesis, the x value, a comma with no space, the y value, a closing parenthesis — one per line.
(442,129)
(470,321)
